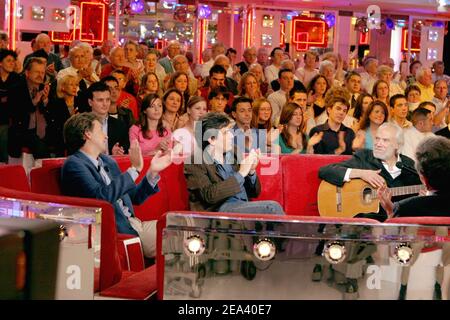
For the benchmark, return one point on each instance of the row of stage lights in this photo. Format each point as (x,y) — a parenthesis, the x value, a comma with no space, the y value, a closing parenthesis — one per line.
(264,249)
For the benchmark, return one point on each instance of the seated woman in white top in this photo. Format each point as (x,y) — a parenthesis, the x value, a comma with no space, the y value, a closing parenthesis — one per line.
(196,108)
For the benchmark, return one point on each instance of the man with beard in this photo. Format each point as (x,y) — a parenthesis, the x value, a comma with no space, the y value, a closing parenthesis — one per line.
(382,166)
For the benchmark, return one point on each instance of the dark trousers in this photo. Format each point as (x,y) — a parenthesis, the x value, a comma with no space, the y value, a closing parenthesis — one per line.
(27,139)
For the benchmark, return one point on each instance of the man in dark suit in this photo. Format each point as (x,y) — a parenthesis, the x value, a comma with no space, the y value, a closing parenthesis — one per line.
(249,58)
(89,173)
(381,166)
(99,99)
(27,103)
(445,132)
(433,166)
(54,63)
(216,182)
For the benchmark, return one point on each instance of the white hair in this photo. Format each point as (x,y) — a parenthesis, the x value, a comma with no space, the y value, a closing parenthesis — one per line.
(288,64)
(421,72)
(255,65)
(398,132)
(73,50)
(325,64)
(179,56)
(221,56)
(85,45)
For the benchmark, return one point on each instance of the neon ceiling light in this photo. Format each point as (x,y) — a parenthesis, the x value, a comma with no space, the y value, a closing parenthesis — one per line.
(86,4)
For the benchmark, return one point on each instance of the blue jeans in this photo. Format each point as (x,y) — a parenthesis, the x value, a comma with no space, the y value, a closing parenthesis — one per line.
(264,207)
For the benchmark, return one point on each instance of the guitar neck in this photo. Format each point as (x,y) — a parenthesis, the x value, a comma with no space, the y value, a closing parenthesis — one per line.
(401,191)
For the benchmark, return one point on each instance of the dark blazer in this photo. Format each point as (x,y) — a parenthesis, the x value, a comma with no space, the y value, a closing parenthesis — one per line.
(125,115)
(117,132)
(298,85)
(364,159)
(432,205)
(57,115)
(20,107)
(52,58)
(208,191)
(242,67)
(80,178)
(445,132)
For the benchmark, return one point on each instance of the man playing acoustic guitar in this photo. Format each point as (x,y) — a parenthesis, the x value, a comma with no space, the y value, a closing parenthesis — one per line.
(382,166)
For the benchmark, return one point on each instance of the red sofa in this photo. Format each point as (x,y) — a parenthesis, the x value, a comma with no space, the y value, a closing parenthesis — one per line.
(292,180)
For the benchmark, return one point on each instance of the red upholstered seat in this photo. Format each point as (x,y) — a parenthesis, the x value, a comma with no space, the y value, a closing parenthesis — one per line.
(301,182)
(14,177)
(46,179)
(430,221)
(110,269)
(270,175)
(130,252)
(420,220)
(138,285)
(176,189)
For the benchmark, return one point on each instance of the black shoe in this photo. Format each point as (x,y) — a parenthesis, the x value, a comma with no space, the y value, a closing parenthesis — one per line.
(317,273)
(402,294)
(351,290)
(437,292)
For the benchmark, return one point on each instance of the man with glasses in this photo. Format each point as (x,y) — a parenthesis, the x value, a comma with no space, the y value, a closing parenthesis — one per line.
(249,58)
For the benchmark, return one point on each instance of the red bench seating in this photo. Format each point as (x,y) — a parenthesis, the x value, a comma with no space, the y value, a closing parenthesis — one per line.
(292,180)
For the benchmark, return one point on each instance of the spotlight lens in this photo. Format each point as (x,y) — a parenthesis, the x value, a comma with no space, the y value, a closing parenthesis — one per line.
(403,253)
(264,250)
(335,252)
(194,245)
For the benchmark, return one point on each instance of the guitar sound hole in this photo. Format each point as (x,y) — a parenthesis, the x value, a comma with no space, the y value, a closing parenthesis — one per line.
(367,195)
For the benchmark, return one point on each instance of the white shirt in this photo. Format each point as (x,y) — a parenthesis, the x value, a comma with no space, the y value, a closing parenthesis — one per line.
(187,140)
(277,100)
(367,82)
(74,72)
(305,76)
(439,106)
(412,139)
(395,88)
(271,73)
(394,172)
(206,67)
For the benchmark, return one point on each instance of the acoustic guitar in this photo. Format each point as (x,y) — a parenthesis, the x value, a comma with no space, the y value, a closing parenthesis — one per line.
(355,196)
